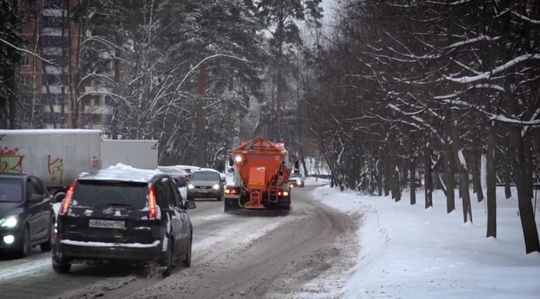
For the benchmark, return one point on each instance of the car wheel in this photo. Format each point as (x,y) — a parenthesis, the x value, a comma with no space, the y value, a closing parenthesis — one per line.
(187,261)
(220,198)
(47,246)
(61,267)
(169,259)
(25,248)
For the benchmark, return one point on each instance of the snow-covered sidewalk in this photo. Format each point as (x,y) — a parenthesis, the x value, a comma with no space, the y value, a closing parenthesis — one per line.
(410,252)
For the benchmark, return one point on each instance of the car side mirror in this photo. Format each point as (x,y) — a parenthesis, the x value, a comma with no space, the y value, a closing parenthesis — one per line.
(36,198)
(190,205)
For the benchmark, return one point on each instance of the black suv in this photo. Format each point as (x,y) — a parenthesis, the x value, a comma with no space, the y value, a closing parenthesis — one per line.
(26,214)
(123,215)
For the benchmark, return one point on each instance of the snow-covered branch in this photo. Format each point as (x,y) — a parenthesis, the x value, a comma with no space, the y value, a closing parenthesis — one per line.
(25,51)
(499,69)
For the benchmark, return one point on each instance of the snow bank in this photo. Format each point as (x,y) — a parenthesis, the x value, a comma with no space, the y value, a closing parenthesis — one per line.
(410,252)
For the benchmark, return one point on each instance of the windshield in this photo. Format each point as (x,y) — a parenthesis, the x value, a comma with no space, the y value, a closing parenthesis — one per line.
(205,176)
(11,190)
(103,194)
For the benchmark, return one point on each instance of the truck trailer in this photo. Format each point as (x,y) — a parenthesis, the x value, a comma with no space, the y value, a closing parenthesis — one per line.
(261,179)
(141,154)
(57,156)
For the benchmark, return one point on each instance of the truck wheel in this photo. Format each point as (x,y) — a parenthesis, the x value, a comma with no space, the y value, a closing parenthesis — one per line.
(47,245)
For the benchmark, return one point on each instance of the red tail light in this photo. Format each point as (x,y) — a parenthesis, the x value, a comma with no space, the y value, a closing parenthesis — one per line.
(67,200)
(230,191)
(284,193)
(152,202)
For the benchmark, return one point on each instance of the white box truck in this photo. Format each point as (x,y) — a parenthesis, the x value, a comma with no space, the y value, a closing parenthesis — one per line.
(141,154)
(57,156)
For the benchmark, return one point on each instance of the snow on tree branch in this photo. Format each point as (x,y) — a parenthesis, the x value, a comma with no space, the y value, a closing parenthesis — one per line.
(25,51)
(499,69)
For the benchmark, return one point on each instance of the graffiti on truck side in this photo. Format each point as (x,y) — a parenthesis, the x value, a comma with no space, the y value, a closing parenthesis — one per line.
(55,168)
(11,160)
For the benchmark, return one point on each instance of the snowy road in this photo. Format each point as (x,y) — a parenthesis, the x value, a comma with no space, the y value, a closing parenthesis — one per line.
(232,256)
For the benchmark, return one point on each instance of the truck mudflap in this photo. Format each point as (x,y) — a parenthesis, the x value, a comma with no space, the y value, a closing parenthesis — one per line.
(237,206)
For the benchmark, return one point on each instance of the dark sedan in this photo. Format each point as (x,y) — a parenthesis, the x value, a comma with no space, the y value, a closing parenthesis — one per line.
(26,214)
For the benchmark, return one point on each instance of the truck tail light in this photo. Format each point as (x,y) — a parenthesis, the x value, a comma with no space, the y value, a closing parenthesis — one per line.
(152,214)
(67,200)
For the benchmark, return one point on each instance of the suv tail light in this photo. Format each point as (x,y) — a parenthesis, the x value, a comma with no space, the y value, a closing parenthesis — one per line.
(152,214)
(67,200)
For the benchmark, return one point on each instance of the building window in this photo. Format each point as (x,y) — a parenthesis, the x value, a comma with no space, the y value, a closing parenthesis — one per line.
(52,21)
(25,60)
(54,99)
(55,4)
(47,117)
(53,59)
(25,80)
(56,79)
(54,41)
(107,119)
(108,101)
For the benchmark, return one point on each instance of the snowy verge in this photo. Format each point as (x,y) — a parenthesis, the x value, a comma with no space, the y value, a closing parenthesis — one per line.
(411,252)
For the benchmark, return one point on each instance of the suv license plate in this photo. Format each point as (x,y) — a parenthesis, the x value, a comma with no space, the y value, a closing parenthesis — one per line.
(106,224)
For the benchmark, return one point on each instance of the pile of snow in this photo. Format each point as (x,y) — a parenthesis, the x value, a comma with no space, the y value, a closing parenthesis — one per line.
(123,172)
(410,252)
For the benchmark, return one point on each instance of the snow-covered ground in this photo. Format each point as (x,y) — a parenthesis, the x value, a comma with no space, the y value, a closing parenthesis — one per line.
(410,252)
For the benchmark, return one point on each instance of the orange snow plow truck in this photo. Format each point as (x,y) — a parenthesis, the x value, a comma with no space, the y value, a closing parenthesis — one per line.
(261,176)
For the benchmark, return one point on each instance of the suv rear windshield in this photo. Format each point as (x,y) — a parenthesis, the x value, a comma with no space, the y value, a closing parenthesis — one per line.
(205,176)
(11,190)
(103,194)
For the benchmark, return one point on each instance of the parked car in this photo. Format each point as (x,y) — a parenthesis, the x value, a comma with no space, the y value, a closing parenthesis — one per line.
(123,215)
(206,184)
(26,214)
(297,180)
(180,175)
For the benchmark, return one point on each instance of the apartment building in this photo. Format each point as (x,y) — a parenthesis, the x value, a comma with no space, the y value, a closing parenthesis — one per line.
(55,92)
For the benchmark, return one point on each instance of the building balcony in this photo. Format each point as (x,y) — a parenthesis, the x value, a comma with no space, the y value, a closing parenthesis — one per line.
(96,90)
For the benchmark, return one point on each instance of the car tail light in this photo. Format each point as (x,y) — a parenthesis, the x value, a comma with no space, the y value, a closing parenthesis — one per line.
(230,191)
(152,202)
(283,193)
(67,200)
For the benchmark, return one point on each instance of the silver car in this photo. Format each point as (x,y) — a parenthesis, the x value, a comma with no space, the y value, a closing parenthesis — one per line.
(297,180)
(206,184)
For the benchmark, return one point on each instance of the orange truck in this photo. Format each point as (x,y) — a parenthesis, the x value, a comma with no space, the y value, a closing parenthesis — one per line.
(261,176)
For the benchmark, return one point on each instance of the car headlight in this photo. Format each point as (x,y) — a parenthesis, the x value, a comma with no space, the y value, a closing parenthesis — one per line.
(190,186)
(216,187)
(9,222)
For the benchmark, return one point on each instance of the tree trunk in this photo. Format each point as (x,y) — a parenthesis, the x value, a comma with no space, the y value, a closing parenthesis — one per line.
(387,175)
(459,157)
(412,180)
(475,170)
(526,210)
(507,165)
(428,182)
(491,185)
(201,119)
(394,174)
(450,179)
